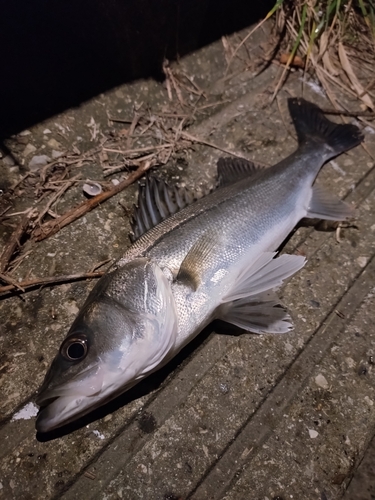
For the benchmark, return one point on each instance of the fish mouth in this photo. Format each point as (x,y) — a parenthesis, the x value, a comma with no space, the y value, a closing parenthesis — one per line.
(53,413)
(63,404)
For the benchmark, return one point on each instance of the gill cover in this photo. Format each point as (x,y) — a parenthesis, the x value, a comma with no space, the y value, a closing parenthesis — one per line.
(125,330)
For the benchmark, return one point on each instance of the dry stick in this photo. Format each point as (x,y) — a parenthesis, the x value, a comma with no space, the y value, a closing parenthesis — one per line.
(138,150)
(130,163)
(56,196)
(244,41)
(14,242)
(99,264)
(365,114)
(210,144)
(134,123)
(52,227)
(18,260)
(11,281)
(119,120)
(20,181)
(51,280)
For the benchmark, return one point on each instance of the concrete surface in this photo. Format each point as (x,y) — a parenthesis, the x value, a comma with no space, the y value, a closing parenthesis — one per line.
(235,416)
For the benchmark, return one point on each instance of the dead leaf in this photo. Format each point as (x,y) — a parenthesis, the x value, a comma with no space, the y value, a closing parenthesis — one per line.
(324,54)
(344,60)
(297,61)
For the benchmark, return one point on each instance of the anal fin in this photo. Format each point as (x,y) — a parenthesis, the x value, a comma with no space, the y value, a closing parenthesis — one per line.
(251,302)
(324,205)
(261,313)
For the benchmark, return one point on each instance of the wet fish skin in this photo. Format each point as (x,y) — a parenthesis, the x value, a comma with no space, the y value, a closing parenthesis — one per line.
(213,259)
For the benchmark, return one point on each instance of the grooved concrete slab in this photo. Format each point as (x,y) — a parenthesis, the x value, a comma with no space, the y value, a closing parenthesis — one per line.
(234,416)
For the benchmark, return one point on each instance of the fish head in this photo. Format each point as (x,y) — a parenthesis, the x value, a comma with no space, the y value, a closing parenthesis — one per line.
(124,331)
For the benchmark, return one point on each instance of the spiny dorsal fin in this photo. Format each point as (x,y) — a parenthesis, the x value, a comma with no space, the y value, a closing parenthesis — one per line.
(231,170)
(158,201)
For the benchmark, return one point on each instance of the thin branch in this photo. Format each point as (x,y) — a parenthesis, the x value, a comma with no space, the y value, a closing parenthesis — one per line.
(365,114)
(192,138)
(56,196)
(50,280)
(14,241)
(11,281)
(52,227)
(134,123)
(138,150)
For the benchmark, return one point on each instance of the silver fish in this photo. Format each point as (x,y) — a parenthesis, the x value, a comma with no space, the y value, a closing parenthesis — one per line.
(193,261)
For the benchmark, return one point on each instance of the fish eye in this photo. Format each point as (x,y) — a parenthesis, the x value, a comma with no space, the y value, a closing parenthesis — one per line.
(74,348)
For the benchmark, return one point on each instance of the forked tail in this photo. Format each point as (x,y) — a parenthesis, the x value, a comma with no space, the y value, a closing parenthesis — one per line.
(312,126)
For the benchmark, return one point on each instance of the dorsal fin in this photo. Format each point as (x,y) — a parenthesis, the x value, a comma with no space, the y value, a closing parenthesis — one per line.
(158,201)
(231,170)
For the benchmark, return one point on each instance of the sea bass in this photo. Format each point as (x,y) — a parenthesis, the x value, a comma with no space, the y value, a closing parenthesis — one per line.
(193,261)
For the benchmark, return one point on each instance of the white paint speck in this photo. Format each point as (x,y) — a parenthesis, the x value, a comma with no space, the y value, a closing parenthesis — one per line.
(27,412)
(337,167)
(321,381)
(369,401)
(315,86)
(313,433)
(350,362)
(362,261)
(369,130)
(143,468)
(98,434)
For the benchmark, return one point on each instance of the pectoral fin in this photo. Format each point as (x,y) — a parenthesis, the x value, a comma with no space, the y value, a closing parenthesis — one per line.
(197,259)
(251,303)
(324,205)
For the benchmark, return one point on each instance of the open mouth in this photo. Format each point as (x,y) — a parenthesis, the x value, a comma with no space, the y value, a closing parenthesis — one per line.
(58,411)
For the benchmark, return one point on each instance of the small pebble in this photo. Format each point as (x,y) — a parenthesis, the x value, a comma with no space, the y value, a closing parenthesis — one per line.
(369,401)
(313,433)
(8,161)
(362,261)
(53,143)
(56,154)
(30,148)
(38,161)
(321,381)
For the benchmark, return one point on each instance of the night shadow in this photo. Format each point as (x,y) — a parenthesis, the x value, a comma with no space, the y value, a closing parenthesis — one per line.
(56,55)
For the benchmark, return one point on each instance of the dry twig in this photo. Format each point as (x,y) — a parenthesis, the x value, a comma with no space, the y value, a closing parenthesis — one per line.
(52,227)
(56,196)
(192,138)
(14,241)
(50,280)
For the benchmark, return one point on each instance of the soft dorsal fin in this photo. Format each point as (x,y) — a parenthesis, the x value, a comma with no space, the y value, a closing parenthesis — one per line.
(158,201)
(230,170)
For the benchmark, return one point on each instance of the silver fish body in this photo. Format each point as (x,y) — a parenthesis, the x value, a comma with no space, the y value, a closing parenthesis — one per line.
(215,258)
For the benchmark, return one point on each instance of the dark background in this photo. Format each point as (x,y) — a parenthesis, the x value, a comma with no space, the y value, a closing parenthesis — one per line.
(54,54)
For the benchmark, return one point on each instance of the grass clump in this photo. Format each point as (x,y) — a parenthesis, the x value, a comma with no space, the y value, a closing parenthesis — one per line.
(335,39)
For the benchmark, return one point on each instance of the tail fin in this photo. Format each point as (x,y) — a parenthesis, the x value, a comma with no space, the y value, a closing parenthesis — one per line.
(312,125)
